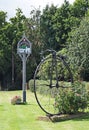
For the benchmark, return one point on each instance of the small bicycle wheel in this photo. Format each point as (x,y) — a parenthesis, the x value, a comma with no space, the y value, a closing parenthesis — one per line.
(51,75)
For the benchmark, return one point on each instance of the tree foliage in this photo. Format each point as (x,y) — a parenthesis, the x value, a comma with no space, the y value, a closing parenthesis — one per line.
(56,22)
(32,31)
(79,49)
(47,29)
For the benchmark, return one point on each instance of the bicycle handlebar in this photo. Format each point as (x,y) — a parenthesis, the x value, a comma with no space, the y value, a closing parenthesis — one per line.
(52,51)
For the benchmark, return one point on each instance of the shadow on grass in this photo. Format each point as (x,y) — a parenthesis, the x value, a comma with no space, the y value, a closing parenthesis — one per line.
(62,118)
(22,103)
(31,104)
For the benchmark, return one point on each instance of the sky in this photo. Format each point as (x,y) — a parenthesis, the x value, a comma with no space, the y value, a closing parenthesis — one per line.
(26,6)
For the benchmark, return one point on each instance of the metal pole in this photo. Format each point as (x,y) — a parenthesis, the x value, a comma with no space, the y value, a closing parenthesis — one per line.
(24,78)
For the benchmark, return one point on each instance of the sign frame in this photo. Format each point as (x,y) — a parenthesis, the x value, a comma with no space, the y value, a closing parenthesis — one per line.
(24,46)
(24,49)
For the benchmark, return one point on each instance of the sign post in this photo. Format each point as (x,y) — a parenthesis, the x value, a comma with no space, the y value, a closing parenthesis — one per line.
(24,48)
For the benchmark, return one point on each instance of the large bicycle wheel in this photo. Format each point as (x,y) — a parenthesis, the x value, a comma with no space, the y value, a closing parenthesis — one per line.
(51,75)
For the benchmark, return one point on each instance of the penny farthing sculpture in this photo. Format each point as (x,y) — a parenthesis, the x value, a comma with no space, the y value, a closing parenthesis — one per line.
(52,74)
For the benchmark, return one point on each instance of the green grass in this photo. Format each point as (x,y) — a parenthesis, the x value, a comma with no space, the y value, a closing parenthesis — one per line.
(24,117)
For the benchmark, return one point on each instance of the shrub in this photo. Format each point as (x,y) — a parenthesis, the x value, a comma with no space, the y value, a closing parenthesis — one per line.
(16,100)
(71,100)
(31,85)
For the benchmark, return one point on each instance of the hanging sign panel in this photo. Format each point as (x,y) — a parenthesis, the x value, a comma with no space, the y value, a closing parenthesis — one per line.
(24,46)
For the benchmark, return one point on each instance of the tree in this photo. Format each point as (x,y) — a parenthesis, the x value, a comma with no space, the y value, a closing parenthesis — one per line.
(10,34)
(55,25)
(5,52)
(32,30)
(56,22)
(3,16)
(46,27)
(17,30)
(62,25)
(80,7)
(78,50)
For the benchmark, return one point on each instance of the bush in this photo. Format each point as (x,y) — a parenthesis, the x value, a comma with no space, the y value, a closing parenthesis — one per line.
(71,100)
(31,85)
(16,100)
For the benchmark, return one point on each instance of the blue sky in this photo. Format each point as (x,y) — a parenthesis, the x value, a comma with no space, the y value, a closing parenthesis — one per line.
(10,6)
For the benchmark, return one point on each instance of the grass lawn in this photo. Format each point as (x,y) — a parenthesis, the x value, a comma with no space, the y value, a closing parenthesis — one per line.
(24,117)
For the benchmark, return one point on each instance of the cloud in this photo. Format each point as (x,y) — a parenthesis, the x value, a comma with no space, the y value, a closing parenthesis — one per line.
(10,6)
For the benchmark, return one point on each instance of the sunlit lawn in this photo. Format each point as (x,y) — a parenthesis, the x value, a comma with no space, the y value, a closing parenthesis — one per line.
(24,117)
